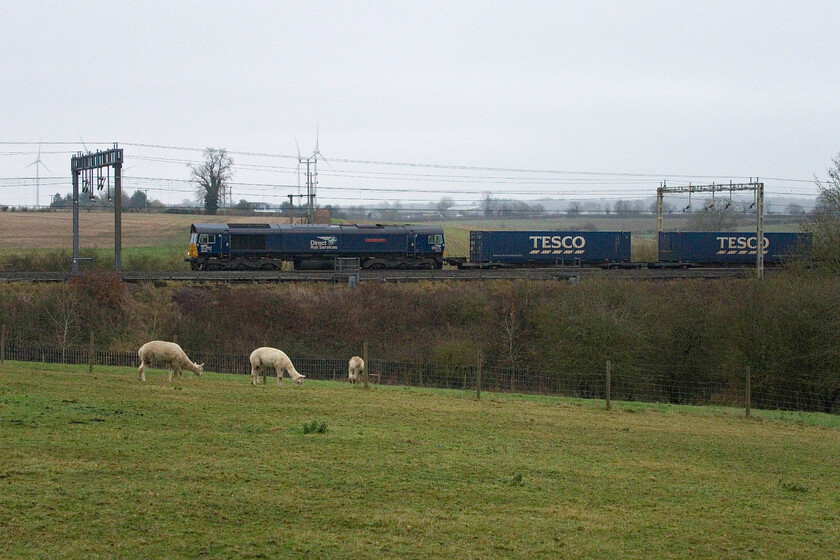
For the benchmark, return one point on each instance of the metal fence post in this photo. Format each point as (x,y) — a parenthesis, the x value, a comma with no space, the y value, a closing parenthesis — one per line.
(747,393)
(3,343)
(478,376)
(367,364)
(609,383)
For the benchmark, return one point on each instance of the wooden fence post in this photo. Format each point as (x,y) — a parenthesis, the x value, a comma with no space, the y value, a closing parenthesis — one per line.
(609,384)
(747,393)
(3,343)
(90,353)
(367,364)
(478,376)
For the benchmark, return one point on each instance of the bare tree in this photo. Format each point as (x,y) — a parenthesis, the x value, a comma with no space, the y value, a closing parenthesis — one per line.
(391,212)
(794,209)
(513,312)
(62,310)
(825,221)
(718,216)
(626,208)
(445,204)
(212,178)
(488,203)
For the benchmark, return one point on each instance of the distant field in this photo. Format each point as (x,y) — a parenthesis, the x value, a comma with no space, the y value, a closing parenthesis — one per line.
(54,230)
(51,230)
(103,466)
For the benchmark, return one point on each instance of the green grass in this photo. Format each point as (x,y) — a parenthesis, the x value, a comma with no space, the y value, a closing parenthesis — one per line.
(133,259)
(103,466)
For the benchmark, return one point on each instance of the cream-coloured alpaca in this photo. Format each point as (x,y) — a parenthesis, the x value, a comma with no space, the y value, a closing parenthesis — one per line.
(168,353)
(266,357)
(355,368)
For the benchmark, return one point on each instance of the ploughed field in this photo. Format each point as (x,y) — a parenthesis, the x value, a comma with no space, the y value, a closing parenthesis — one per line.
(102,465)
(54,230)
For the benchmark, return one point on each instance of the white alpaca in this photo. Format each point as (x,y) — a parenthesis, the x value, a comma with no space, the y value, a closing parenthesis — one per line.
(355,368)
(266,357)
(167,353)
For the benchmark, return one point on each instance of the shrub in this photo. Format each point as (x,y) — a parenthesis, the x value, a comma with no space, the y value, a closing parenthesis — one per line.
(315,427)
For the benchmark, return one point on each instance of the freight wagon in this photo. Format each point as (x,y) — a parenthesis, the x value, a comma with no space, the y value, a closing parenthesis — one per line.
(729,248)
(547,248)
(267,246)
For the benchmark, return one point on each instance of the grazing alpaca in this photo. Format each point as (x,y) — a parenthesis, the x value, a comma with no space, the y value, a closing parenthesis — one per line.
(167,353)
(355,368)
(266,357)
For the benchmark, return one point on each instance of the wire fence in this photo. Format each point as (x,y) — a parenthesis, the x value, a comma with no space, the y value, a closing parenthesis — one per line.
(610,383)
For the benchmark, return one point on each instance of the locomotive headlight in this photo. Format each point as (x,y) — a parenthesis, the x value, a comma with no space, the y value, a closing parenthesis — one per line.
(193,252)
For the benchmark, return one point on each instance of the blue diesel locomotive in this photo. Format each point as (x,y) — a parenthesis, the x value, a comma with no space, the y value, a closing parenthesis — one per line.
(267,246)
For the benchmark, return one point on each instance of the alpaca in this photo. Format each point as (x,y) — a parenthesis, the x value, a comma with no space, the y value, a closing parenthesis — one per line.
(169,353)
(355,368)
(266,357)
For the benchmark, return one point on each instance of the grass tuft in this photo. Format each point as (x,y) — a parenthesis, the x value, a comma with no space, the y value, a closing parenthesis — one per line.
(315,427)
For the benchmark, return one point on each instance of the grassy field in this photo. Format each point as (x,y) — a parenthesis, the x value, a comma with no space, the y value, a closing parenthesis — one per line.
(102,466)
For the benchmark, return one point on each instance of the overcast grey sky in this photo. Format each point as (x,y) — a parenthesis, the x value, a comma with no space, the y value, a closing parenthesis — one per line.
(608,98)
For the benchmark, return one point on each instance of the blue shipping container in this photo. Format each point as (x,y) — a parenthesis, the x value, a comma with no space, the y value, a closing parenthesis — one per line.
(549,247)
(707,247)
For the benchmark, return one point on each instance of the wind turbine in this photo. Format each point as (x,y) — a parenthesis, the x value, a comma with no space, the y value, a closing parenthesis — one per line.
(316,153)
(38,163)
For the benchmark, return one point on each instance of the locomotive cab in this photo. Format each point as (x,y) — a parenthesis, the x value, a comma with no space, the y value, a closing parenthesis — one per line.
(207,242)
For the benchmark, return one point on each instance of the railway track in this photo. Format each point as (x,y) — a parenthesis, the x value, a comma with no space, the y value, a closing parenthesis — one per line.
(570,274)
